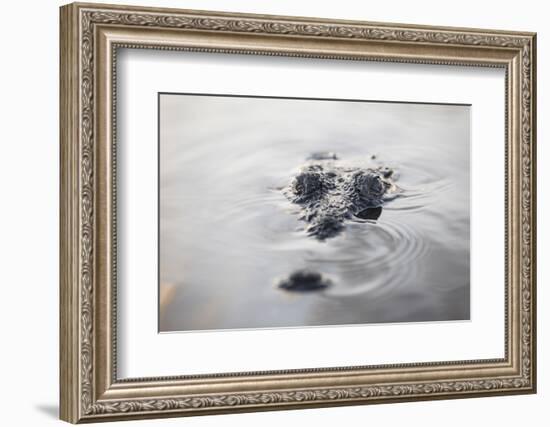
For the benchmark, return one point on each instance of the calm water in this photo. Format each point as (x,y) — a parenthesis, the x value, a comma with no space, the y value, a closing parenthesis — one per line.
(228,234)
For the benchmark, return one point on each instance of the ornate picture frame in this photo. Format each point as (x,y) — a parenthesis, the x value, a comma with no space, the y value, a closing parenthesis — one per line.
(90,37)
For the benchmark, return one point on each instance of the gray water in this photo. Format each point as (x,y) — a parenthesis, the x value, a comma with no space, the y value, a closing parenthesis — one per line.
(228,235)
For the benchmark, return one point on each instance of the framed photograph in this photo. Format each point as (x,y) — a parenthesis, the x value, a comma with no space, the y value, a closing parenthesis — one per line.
(266,212)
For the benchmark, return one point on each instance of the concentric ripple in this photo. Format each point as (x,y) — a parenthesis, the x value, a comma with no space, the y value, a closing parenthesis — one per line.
(374,258)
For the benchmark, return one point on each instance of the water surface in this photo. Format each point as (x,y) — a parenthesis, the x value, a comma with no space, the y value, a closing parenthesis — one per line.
(228,235)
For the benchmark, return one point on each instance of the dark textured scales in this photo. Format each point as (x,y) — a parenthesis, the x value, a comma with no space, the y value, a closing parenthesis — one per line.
(330,193)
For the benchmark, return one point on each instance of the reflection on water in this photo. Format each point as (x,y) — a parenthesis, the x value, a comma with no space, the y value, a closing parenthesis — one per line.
(229,237)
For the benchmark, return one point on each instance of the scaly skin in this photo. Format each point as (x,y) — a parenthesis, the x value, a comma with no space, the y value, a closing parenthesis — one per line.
(330,193)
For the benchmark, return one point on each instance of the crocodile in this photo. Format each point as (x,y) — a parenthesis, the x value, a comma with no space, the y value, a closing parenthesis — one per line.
(331,192)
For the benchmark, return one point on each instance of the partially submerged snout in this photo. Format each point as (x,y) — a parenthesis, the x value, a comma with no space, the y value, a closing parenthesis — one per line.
(305,280)
(329,194)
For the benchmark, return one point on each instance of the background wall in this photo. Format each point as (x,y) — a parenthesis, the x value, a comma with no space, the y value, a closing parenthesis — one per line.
(29,170)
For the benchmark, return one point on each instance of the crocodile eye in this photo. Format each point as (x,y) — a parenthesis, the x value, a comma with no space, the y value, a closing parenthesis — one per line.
(307,184)
(372,185)
(387,172)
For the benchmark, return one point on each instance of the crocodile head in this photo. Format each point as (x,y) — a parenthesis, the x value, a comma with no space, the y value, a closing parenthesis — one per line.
(330,193)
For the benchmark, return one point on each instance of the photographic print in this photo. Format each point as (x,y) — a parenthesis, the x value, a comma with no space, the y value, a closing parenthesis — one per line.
(300,212)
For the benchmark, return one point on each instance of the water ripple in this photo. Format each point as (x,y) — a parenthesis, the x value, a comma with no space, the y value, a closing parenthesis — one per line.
(377,259)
